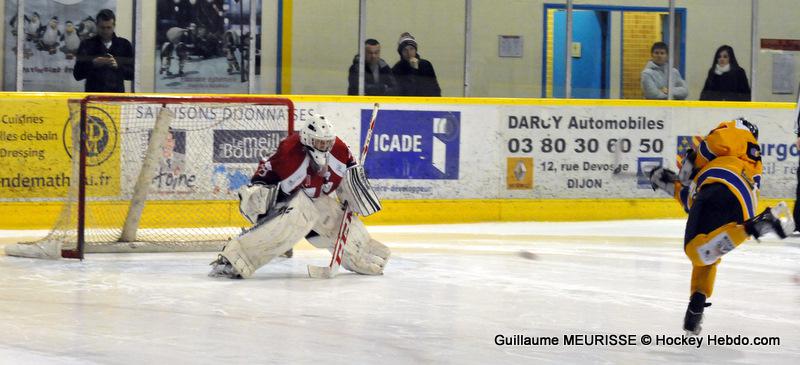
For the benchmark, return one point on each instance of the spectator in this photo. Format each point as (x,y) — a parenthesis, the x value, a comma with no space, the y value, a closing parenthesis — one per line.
(415,76)
(104,60)
(654,76)
(378,78)
(796,212)
(726,81)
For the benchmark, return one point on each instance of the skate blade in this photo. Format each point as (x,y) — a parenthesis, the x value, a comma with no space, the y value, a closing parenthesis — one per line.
(695,332)
(781,211)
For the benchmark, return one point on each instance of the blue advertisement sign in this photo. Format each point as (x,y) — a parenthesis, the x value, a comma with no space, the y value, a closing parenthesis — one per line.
(644,165)
(411,144)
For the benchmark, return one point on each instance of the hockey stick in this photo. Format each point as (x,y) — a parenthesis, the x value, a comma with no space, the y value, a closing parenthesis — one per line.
(617,172)
(332,269)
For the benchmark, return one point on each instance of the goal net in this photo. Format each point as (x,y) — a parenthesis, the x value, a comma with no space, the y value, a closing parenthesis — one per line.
(160,173)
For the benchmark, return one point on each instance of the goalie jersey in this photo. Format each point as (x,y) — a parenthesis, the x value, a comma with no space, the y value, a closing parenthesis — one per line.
(291,168)
(729,155)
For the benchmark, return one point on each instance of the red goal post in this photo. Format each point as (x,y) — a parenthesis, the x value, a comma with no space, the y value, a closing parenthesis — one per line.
(159,173)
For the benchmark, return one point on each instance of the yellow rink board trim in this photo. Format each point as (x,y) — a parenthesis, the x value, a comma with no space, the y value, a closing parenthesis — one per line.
(42,215)
(536,101)
(447,100)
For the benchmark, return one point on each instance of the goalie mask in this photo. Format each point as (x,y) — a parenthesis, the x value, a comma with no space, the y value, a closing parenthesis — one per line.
(318,137)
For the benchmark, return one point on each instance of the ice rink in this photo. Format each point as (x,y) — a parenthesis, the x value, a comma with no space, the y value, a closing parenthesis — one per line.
(448,291)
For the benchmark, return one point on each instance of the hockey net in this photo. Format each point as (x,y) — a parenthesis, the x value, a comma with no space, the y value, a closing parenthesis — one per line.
(159,174)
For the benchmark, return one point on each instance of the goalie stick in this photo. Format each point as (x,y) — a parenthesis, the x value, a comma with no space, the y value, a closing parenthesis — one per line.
(332,269)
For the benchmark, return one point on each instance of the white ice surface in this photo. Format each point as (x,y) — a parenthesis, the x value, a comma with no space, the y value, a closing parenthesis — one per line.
(447,292)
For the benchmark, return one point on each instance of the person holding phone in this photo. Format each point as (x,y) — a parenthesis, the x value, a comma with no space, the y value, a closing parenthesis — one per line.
(105,61)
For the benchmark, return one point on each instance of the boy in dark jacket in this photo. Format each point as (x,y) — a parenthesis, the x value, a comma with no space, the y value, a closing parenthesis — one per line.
(415,76)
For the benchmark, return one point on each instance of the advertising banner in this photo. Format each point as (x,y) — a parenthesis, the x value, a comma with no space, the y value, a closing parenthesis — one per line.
(608,151)
(210,150)
(410,144)
(36,150)
(203,46)
(539,150)
(53,30)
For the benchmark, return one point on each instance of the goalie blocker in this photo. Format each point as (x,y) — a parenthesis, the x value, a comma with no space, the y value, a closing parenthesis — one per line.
(357,191)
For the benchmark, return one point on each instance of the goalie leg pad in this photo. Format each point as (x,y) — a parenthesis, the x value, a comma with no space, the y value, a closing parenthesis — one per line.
(272,236)
(706,249)
(356,190)
(362,254)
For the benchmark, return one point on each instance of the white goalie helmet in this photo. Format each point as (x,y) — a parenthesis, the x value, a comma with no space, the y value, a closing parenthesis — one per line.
(318,137)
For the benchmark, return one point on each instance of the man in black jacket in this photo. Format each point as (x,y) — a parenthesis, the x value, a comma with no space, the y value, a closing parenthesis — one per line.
(415,76)
(378,78)
(104,60)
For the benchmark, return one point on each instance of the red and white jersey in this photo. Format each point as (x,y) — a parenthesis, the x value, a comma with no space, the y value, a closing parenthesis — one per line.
(292,168)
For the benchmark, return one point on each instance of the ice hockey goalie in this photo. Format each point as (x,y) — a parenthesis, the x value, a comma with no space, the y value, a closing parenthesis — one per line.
(290,198)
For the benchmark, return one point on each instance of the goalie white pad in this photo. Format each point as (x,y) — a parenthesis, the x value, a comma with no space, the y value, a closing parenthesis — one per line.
(275,234)
(362,254)
(255,200)
(356,190)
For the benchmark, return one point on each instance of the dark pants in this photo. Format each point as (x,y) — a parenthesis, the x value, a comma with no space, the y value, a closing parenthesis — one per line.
(796,212)
(713,207)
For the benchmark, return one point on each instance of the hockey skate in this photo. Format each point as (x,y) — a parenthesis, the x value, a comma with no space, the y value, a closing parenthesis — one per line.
(222,268)
(778,219)
(694,314)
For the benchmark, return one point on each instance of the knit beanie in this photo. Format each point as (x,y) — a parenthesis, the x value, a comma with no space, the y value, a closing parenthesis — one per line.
(405,40)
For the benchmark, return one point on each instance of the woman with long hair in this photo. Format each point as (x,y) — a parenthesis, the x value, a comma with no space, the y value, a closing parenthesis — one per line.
(726,80)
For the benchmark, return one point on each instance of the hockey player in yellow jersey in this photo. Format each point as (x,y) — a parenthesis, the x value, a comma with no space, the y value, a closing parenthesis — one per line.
(718,186)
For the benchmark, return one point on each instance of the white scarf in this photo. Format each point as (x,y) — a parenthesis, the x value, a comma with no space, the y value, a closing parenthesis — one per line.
(719,70)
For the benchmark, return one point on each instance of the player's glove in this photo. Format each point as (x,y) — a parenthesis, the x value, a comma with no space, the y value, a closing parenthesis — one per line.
(664,179)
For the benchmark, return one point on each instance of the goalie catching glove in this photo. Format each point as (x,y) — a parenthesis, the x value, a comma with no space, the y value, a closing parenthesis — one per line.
(357,192)
(255,200)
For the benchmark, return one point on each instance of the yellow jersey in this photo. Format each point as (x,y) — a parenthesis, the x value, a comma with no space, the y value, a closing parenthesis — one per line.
(729,155)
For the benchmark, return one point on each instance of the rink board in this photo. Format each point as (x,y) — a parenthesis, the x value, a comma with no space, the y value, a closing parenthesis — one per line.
(437,160)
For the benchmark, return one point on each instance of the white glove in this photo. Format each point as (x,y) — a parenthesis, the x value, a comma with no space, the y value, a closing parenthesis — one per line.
(255,200)
(663,179)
